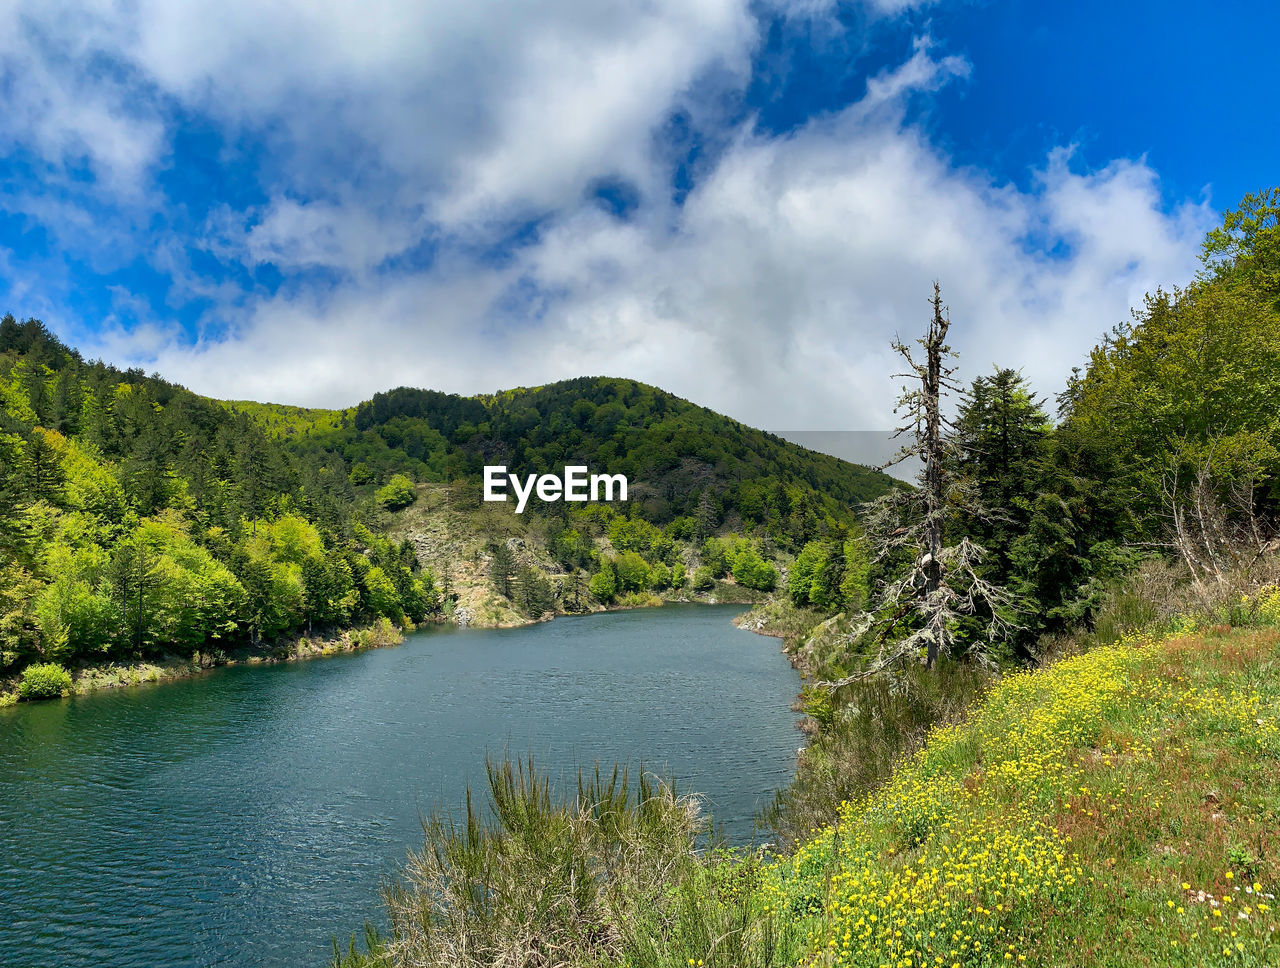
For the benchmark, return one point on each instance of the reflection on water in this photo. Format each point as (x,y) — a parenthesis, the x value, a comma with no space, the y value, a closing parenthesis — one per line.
(246,816)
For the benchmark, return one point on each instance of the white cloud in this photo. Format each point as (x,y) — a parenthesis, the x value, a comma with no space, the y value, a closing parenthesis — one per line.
(772,294)
(291,235)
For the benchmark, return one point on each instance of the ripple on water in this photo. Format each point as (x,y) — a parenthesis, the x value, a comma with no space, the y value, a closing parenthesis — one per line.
(246,816)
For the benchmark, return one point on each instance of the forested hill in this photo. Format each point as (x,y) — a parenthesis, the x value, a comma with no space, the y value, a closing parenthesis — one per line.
(138,518)
(680,458)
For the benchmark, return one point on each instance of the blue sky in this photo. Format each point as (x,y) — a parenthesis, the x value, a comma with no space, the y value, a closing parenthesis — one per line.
(741,202)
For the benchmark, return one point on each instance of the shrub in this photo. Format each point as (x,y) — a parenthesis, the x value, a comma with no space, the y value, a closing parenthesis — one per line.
(632,572)
(704,579)
(752,571)
(399,493)
(375,636)
(1269,605)
(46,681)
(603,585)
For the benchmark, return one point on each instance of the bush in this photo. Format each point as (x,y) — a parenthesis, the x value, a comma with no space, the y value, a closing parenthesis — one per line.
(603,585)
(752,571)
(47,681)
(632,572)
(399,493)
(704,579)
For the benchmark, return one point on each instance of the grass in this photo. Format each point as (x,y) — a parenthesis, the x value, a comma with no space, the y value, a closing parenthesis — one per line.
(1117,807)
(613,875)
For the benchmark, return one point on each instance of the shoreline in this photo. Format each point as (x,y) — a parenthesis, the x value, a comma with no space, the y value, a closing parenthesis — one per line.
(300,648)
(121,674)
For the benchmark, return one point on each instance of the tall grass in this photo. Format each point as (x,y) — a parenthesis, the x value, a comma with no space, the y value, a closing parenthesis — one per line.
(615,873)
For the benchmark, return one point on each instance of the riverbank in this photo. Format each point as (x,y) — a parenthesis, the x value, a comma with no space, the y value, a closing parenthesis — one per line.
(808,637)
(164,668)
(1113,807)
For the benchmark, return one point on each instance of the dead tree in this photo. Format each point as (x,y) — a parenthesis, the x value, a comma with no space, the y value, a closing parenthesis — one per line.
(1214,527)
(942,582)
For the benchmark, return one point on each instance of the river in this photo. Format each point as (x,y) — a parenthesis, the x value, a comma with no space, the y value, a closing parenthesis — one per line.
(247,816)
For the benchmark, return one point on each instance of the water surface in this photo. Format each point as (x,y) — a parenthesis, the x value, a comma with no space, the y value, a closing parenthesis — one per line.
(246,816)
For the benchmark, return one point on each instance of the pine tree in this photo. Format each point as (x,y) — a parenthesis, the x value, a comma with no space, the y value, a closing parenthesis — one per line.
(1001,439)
(43,473)
(501,566)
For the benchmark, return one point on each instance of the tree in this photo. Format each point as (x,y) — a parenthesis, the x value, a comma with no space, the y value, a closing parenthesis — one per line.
(502,564)
(603,584)
(12,495)
(920,607)
(134,582)
(800,577)
(44,475)
(751,570)
(398,493)
(1001,441)
(574,589)
(533,592)
(632,572)
(1245,249)
(707,516)
(19,625)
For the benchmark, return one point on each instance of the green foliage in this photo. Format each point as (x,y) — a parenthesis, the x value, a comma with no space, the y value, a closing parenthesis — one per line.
(398,493)
(632,572)
(533,593)
(704,579)
(47,680)
(502,566)
(603,584)
(830,574)
(752,571)
(688,463)
(1190,384)
(138,518)
(715,557)
(571,547)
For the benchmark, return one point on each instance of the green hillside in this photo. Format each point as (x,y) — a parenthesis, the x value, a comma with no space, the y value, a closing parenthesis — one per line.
(140,520)
(681,459)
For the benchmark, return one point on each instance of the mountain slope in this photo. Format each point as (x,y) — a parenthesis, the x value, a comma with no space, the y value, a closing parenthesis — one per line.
(680,459)
(140,519)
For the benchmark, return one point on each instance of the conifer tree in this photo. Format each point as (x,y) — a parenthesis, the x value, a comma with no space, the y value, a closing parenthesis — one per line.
(501,566)
(921,605)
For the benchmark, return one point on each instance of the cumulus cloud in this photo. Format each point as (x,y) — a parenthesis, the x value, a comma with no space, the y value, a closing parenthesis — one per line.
(769,291)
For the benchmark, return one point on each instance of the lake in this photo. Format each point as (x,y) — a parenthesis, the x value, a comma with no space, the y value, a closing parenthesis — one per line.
(247,816)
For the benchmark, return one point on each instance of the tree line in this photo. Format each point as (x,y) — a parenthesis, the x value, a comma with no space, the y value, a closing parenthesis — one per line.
(1166,445)
(137,517)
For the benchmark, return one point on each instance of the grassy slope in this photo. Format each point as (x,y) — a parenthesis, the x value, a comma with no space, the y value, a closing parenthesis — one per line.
(283,420)
(1117,808)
